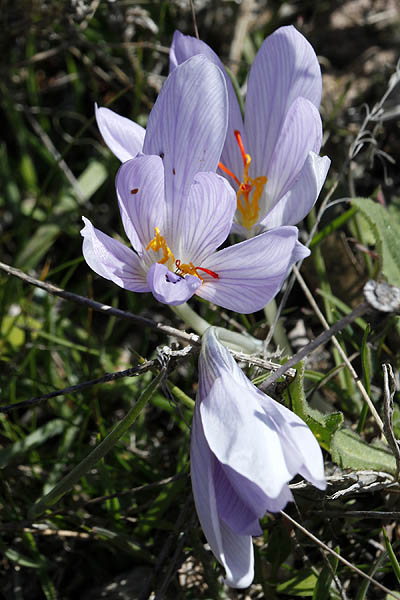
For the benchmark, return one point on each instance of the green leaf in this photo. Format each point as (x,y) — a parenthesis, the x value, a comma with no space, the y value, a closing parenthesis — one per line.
(350,452)
(37,246)
(38,437)
(92,178)
(322,426)
(301,585)
(322,589)
(386,231)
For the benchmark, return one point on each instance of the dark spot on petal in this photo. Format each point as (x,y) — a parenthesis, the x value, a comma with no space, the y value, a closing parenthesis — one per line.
(162,155)
(173,170)
(134,191)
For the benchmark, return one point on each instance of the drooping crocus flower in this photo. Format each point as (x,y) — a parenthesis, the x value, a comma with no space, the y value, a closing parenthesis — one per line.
(271,158)
(245,448)
(177,211)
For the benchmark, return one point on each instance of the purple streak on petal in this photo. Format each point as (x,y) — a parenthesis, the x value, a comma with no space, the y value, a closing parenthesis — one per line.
(206,221)
(232,510)
(234,552)
(169,288)
(299,200)
(303,454)
(123,136)
(112,260)
(245,444)
(252,272)
(140,191)
(301,132)
(182,48)
(284,69)
(187,126)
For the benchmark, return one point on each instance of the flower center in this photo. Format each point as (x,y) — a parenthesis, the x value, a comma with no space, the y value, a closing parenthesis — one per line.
(158,243)
(250,190)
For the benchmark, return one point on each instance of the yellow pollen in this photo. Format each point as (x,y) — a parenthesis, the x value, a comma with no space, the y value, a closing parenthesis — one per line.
(159,243)
(250,190)
(188,269)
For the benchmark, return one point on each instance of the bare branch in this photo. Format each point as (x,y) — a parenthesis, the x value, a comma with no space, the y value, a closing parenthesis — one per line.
(389,391)
(360,310)
(339,557)
(191,338)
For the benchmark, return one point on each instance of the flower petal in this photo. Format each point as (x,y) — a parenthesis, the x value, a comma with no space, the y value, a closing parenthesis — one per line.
(169,288)
(187,127)
(252,272)
(285,68)
(301,132)
(232,510)
(182,48)
(303,453)
(244,442)
(140,191)
(112,260)
(301,197)
(206,219)
(234,552)
(123,136)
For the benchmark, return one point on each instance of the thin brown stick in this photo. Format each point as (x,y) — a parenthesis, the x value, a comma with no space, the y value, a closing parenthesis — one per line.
(196,31)
(339,348)
(339,557)
(190,338)
(73,389)
(325,336)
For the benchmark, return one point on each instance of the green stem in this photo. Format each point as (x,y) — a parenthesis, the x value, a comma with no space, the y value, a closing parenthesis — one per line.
(279,336)
(97,453)
(231,339)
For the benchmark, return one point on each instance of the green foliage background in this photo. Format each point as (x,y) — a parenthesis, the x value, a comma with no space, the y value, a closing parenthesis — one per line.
(127,529)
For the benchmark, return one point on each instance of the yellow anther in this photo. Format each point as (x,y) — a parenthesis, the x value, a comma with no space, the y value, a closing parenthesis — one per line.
(159,243)
(187,269)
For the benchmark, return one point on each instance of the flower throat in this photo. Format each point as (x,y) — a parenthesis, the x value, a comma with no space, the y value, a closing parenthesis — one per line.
(250,190)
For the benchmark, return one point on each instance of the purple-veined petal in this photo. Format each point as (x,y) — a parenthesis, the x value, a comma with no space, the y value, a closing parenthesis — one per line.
(169,288)
(303,454)
(301,197)
(233,551)
(284,69)
(140,191)
(252,272)
(123,136)
(182,48)
(187,127)
(206,219)
(239,516)
(236,432)
(300,134)
(112,260)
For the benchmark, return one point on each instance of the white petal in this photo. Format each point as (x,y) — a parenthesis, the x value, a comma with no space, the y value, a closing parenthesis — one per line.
(234,552)
(187,127)
(123,136)
(112,260)
(299,200)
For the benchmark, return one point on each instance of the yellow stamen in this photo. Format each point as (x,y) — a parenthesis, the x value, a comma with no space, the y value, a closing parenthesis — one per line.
(250,190)
(159,243)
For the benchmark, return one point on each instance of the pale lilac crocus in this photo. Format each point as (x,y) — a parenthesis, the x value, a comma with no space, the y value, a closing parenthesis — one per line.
(245,448)
(271,158)
(176,211)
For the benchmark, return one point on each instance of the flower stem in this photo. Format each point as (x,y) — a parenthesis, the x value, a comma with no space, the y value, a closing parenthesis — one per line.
(231,339)
(279,334)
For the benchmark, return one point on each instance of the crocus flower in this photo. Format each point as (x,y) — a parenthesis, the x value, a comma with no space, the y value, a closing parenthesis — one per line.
(176,211)
(271,158)
(245,448)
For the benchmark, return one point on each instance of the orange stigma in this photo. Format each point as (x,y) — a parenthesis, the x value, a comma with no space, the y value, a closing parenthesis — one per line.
(248,207)
(190,269)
